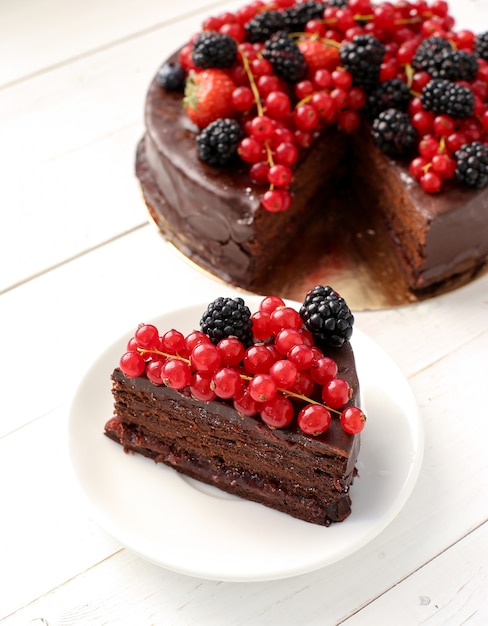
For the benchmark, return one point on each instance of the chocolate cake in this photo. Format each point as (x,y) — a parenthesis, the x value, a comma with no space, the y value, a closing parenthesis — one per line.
(304,471)
(438,223)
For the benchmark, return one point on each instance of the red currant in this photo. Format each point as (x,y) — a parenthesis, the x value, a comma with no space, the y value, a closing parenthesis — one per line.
(262,388)
(314,419)
(146,336)
(132,364)
(200,387)
(176,374)
(284,373)
(205,357)
(226,382)
(277,412)
(336,393)
(353,420)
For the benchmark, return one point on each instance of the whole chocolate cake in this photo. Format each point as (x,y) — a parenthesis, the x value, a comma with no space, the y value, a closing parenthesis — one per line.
(250,404)
(271,113)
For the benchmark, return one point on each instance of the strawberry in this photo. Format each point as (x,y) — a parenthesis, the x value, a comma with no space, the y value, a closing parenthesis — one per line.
(318,55)
(208,96)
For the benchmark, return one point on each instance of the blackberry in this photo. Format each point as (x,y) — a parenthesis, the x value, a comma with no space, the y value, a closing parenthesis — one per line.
(362,57)
(263,25)
(217,143)
(481,46)
(171,76)
(472,164)
(426,55)
(393,133)
(285,57)
(297,16)
(339,4)
(213,49)
(392,94)
(227,317)
(327,316)
(438,58)
(467,65)
(444,96)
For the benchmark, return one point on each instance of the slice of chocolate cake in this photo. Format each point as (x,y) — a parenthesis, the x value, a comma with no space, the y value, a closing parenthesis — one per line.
(250,404)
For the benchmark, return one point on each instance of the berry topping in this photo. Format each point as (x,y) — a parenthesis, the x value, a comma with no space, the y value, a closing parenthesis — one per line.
(472,164)
(208,96)
(263,25)
(391,94)
(439,59)
(212,49)
(283,377)
(327,316)
(171,76)
(296,17)
(393,133)
(227,317)
(481,46)
(217,143)
(363,57)
(285,57)
(444,96)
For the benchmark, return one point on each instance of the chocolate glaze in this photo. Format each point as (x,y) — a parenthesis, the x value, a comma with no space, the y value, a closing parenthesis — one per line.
(305,476)
(213,215)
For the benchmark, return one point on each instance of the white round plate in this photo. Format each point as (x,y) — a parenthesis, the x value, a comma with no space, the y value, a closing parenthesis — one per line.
(194,529)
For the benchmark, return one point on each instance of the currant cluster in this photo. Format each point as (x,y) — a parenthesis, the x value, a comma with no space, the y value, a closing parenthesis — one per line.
(282,374)
(293,68)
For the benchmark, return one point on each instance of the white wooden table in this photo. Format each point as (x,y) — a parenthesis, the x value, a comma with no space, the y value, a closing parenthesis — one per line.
(79,265)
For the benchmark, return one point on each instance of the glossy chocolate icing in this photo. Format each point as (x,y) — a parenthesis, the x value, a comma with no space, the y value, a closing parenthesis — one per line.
(305,476)
(213,215)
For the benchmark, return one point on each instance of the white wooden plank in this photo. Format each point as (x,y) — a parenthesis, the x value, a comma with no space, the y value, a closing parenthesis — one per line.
(448,591)
(38,34)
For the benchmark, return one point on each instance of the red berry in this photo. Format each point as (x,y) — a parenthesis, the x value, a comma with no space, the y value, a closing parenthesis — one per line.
(277,104)
(231,351)
(280,176)
(200,387)
(205,357)
(194,338)
(226,382)
(244,404)
(277,412)
(176,374)
(262,127)
(132,364)
(250,150)
(336,393)
(431,182)
(286,339)
(304,385)
(314,419)
(173,342)
(242,98)
(323,370)
(146,336)
(353,420)
(286,154)
(262,388)
(153,371)
(301,356)
(284,373)
(258,360)
(306,117)
(276,200)
(259,172)
(270,303)
(260,325)
(284,317)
